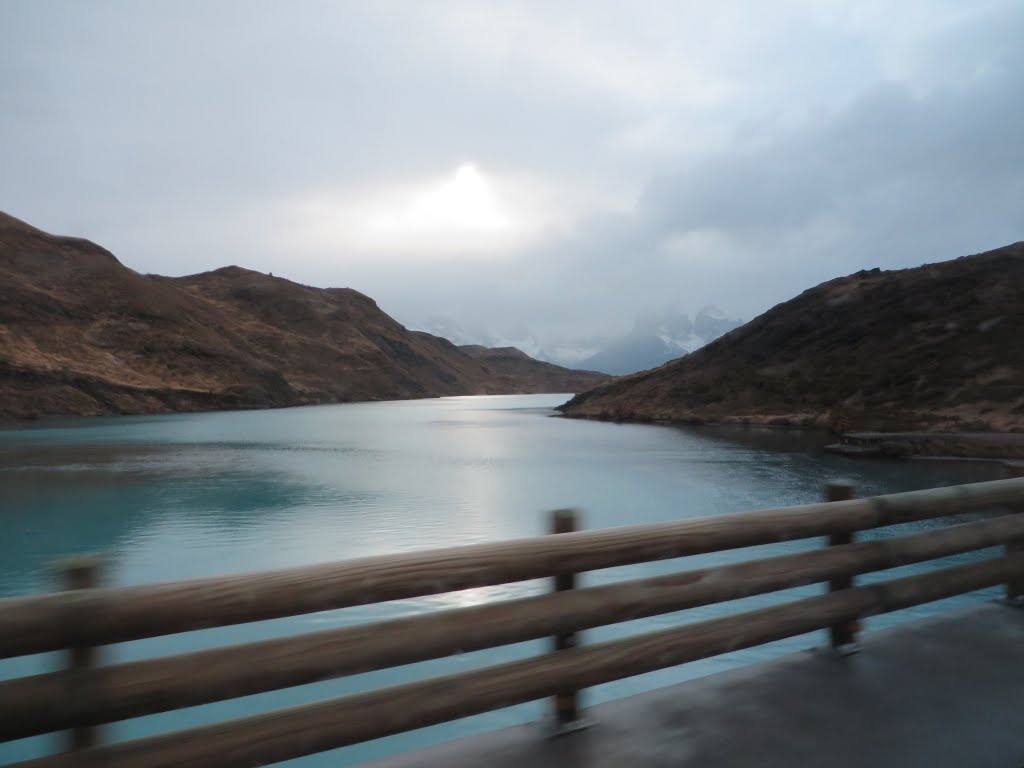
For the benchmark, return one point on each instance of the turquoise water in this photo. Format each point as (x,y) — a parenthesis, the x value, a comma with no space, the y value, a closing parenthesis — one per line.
(175,496)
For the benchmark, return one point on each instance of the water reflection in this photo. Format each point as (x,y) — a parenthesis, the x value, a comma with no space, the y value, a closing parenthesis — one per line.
(199,494)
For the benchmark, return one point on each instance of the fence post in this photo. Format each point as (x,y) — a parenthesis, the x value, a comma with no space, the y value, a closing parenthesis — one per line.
(566,703)
(843,636)
(1015,585)
(80,573)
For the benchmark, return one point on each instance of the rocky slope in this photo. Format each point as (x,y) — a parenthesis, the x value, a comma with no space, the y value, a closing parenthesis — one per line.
(934,348)
(80,333)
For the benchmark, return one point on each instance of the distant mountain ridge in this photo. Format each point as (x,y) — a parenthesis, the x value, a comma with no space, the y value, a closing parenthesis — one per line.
(564,352)
(936,347)
(653,340)
(656,339)
(508,365)
(80,333)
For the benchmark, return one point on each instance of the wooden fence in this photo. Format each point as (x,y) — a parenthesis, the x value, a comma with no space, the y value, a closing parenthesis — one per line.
(84,696)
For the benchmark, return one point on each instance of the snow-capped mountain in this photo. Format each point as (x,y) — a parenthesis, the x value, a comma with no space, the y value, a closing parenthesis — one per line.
(566,352)
(654,339)
(710,323)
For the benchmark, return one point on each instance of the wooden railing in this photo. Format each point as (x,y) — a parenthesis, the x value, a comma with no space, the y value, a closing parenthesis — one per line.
(85,696)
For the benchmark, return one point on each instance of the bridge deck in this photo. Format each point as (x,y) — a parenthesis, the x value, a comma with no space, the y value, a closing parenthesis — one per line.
(945,691)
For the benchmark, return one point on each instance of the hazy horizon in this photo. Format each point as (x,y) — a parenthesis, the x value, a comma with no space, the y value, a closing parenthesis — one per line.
(559,169)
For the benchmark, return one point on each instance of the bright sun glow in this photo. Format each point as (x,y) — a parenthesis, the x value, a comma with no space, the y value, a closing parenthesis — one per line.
(462,203)
(465,211)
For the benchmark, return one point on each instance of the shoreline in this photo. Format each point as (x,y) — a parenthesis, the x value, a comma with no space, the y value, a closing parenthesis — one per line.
(946,446)
(919,445)
(9,422)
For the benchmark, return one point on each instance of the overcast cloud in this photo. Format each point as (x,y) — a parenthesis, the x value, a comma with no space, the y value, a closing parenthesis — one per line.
(555,166)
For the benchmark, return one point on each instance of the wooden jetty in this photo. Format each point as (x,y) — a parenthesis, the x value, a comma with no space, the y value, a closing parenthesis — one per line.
(85,696)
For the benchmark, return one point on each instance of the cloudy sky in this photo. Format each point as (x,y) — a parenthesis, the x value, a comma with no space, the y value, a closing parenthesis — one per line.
(556,166)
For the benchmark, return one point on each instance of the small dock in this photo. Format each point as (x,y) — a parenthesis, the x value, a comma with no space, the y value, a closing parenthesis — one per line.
(944,691)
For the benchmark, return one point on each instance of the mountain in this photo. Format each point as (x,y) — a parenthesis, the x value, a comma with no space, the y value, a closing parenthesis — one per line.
(936,347)
(656,339)
(518,372)
(80,333)
(566,352)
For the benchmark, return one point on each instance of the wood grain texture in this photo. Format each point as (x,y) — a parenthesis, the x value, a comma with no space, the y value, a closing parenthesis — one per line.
(298,731)
(80,573)
(36,624)
(1015,585)
(565,703)
(38,704)
(844,633)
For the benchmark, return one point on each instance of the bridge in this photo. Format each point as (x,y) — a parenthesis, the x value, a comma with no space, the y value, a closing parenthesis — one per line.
(943,691)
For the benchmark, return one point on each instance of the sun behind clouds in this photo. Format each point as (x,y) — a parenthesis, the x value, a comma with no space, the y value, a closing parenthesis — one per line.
(463,202)
(464,211)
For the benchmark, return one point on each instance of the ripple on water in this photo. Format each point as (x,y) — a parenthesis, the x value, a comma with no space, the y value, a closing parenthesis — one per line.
(202,494)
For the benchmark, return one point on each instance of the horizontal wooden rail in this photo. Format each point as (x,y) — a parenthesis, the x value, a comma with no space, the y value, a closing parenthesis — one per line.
(39,704)
(303,730)
(100,616)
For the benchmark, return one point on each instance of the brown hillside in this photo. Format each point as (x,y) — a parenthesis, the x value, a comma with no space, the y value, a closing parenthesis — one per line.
(518,372)
(937,347)
(80,333)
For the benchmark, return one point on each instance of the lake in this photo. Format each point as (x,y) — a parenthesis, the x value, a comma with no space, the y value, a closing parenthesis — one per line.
(182,495)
